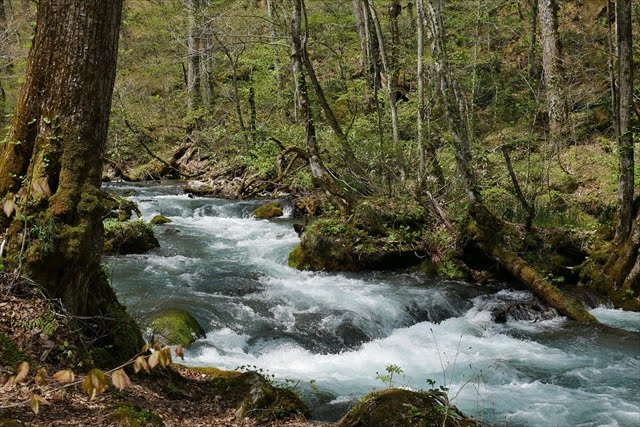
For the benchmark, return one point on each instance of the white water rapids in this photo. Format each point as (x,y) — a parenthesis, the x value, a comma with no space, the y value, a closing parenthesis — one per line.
(230,271)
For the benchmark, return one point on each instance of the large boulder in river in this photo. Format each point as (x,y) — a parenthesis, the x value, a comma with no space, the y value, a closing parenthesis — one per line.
(253,396)
(268,210)
(400,408)
(131,237)
(380,234)
(175,327)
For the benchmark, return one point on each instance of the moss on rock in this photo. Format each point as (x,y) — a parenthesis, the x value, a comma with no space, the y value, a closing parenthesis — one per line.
(132,237)
(268,210)
(381,234)
(253,396)
(159,220)
(173,327)
(401,408)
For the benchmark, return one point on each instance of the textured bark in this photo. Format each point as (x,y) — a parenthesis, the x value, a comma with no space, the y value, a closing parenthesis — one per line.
(193,57)
(52,164)
(553,72)
(361,16)
(318,169)
(625,138)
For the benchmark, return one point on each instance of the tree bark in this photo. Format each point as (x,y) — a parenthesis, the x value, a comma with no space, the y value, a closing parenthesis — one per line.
(318,169)
(390,91)
(553,71)
(625,138)
(52,164)
(193,57)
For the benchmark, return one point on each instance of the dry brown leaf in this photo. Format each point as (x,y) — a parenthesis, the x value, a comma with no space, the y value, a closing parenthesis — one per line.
(67,376)
(120,379)
(22,372)
(179,352)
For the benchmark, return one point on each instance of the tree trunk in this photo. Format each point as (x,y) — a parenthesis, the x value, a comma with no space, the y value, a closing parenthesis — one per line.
(52,165)
(553,72)
(193,57)
(361,17)
(390,91)
(274,35)
(318,169)
(625,137)
(533,36)
(347,152)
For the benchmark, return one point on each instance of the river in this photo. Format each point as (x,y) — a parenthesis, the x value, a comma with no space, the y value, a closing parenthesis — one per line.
(329,334)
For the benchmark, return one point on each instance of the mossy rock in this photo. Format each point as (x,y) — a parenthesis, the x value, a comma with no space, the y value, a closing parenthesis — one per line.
(401,408)
(268,211)
(159,220)
(253,396)
(381,234)
(10,355)
(132,237)
(176,327)
(133,415)
(4,422)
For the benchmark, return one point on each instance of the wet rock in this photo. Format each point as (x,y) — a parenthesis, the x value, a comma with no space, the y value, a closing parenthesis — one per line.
(120,208)
(399,408)
(175,327)
(131,237)
(253,396)
(528,310)
(268,211)
(171,231)
(159,220)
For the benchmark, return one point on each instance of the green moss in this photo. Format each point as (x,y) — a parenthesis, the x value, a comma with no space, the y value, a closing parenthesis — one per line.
(133,237)
(174,327)
(268,210)
(10,355)
(159,220)
(4,422)
(254,397)
(402,408)
(209,371)
(133,415)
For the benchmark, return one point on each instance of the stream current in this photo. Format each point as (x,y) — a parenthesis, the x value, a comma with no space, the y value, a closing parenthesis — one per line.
(330,333)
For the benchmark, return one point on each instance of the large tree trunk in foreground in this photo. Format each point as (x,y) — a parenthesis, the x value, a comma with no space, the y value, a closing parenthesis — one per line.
(52,165)
(485,229)
(625,137)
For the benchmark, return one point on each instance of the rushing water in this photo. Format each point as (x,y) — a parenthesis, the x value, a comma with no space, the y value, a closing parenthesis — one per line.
(338,330)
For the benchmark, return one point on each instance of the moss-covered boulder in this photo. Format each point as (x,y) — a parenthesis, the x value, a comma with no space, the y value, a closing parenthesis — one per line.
(380,234)
(173,327)
(159,220)
(131,237)
(402,408)
(253,396)
(268,210)
(4,422)
(133,415)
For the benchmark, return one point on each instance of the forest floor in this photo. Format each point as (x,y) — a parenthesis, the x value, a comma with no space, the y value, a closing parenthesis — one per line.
(31,331)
